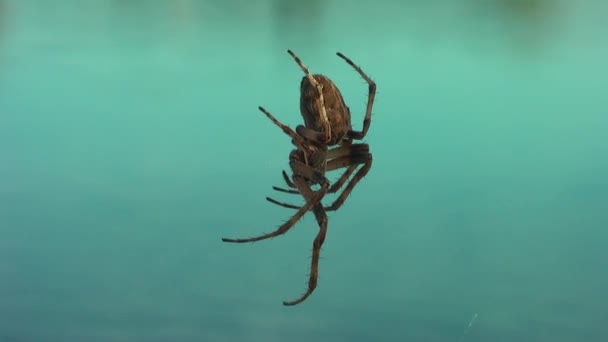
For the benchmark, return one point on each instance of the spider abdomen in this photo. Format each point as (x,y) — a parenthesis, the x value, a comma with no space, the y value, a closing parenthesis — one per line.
(338,113)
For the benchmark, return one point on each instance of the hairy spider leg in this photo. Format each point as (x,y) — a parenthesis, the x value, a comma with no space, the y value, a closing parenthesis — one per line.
(370,100)
(321,217)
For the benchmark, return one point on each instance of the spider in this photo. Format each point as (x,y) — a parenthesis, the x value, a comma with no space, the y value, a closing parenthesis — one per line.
(327,123)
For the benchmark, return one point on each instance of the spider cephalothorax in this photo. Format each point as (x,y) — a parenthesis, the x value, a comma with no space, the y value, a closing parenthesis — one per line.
(324,143)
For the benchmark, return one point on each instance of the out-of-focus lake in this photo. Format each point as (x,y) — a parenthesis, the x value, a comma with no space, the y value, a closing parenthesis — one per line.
(130,143)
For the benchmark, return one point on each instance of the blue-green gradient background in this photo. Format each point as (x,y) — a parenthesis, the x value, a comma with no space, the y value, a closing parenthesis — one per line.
(130,143)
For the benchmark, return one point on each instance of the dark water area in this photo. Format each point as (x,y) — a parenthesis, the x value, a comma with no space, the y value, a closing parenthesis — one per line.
(130,143)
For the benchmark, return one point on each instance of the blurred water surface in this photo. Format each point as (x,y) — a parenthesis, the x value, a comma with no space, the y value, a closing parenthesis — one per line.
(130,142)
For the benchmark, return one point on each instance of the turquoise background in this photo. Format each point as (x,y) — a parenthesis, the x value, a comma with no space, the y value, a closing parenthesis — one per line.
(130,143)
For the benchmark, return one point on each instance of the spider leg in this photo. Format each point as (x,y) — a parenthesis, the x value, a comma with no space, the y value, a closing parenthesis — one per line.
(287,180)
(283,204)
(296,138)
(338,202)
(321,217)
(289,191)
(345,176)
(313,82)
(370,100)
(301,173)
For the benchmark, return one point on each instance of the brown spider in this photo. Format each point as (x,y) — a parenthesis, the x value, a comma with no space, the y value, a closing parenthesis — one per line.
(327,124)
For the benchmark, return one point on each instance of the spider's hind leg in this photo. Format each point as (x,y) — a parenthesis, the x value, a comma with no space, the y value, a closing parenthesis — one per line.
(321,217)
